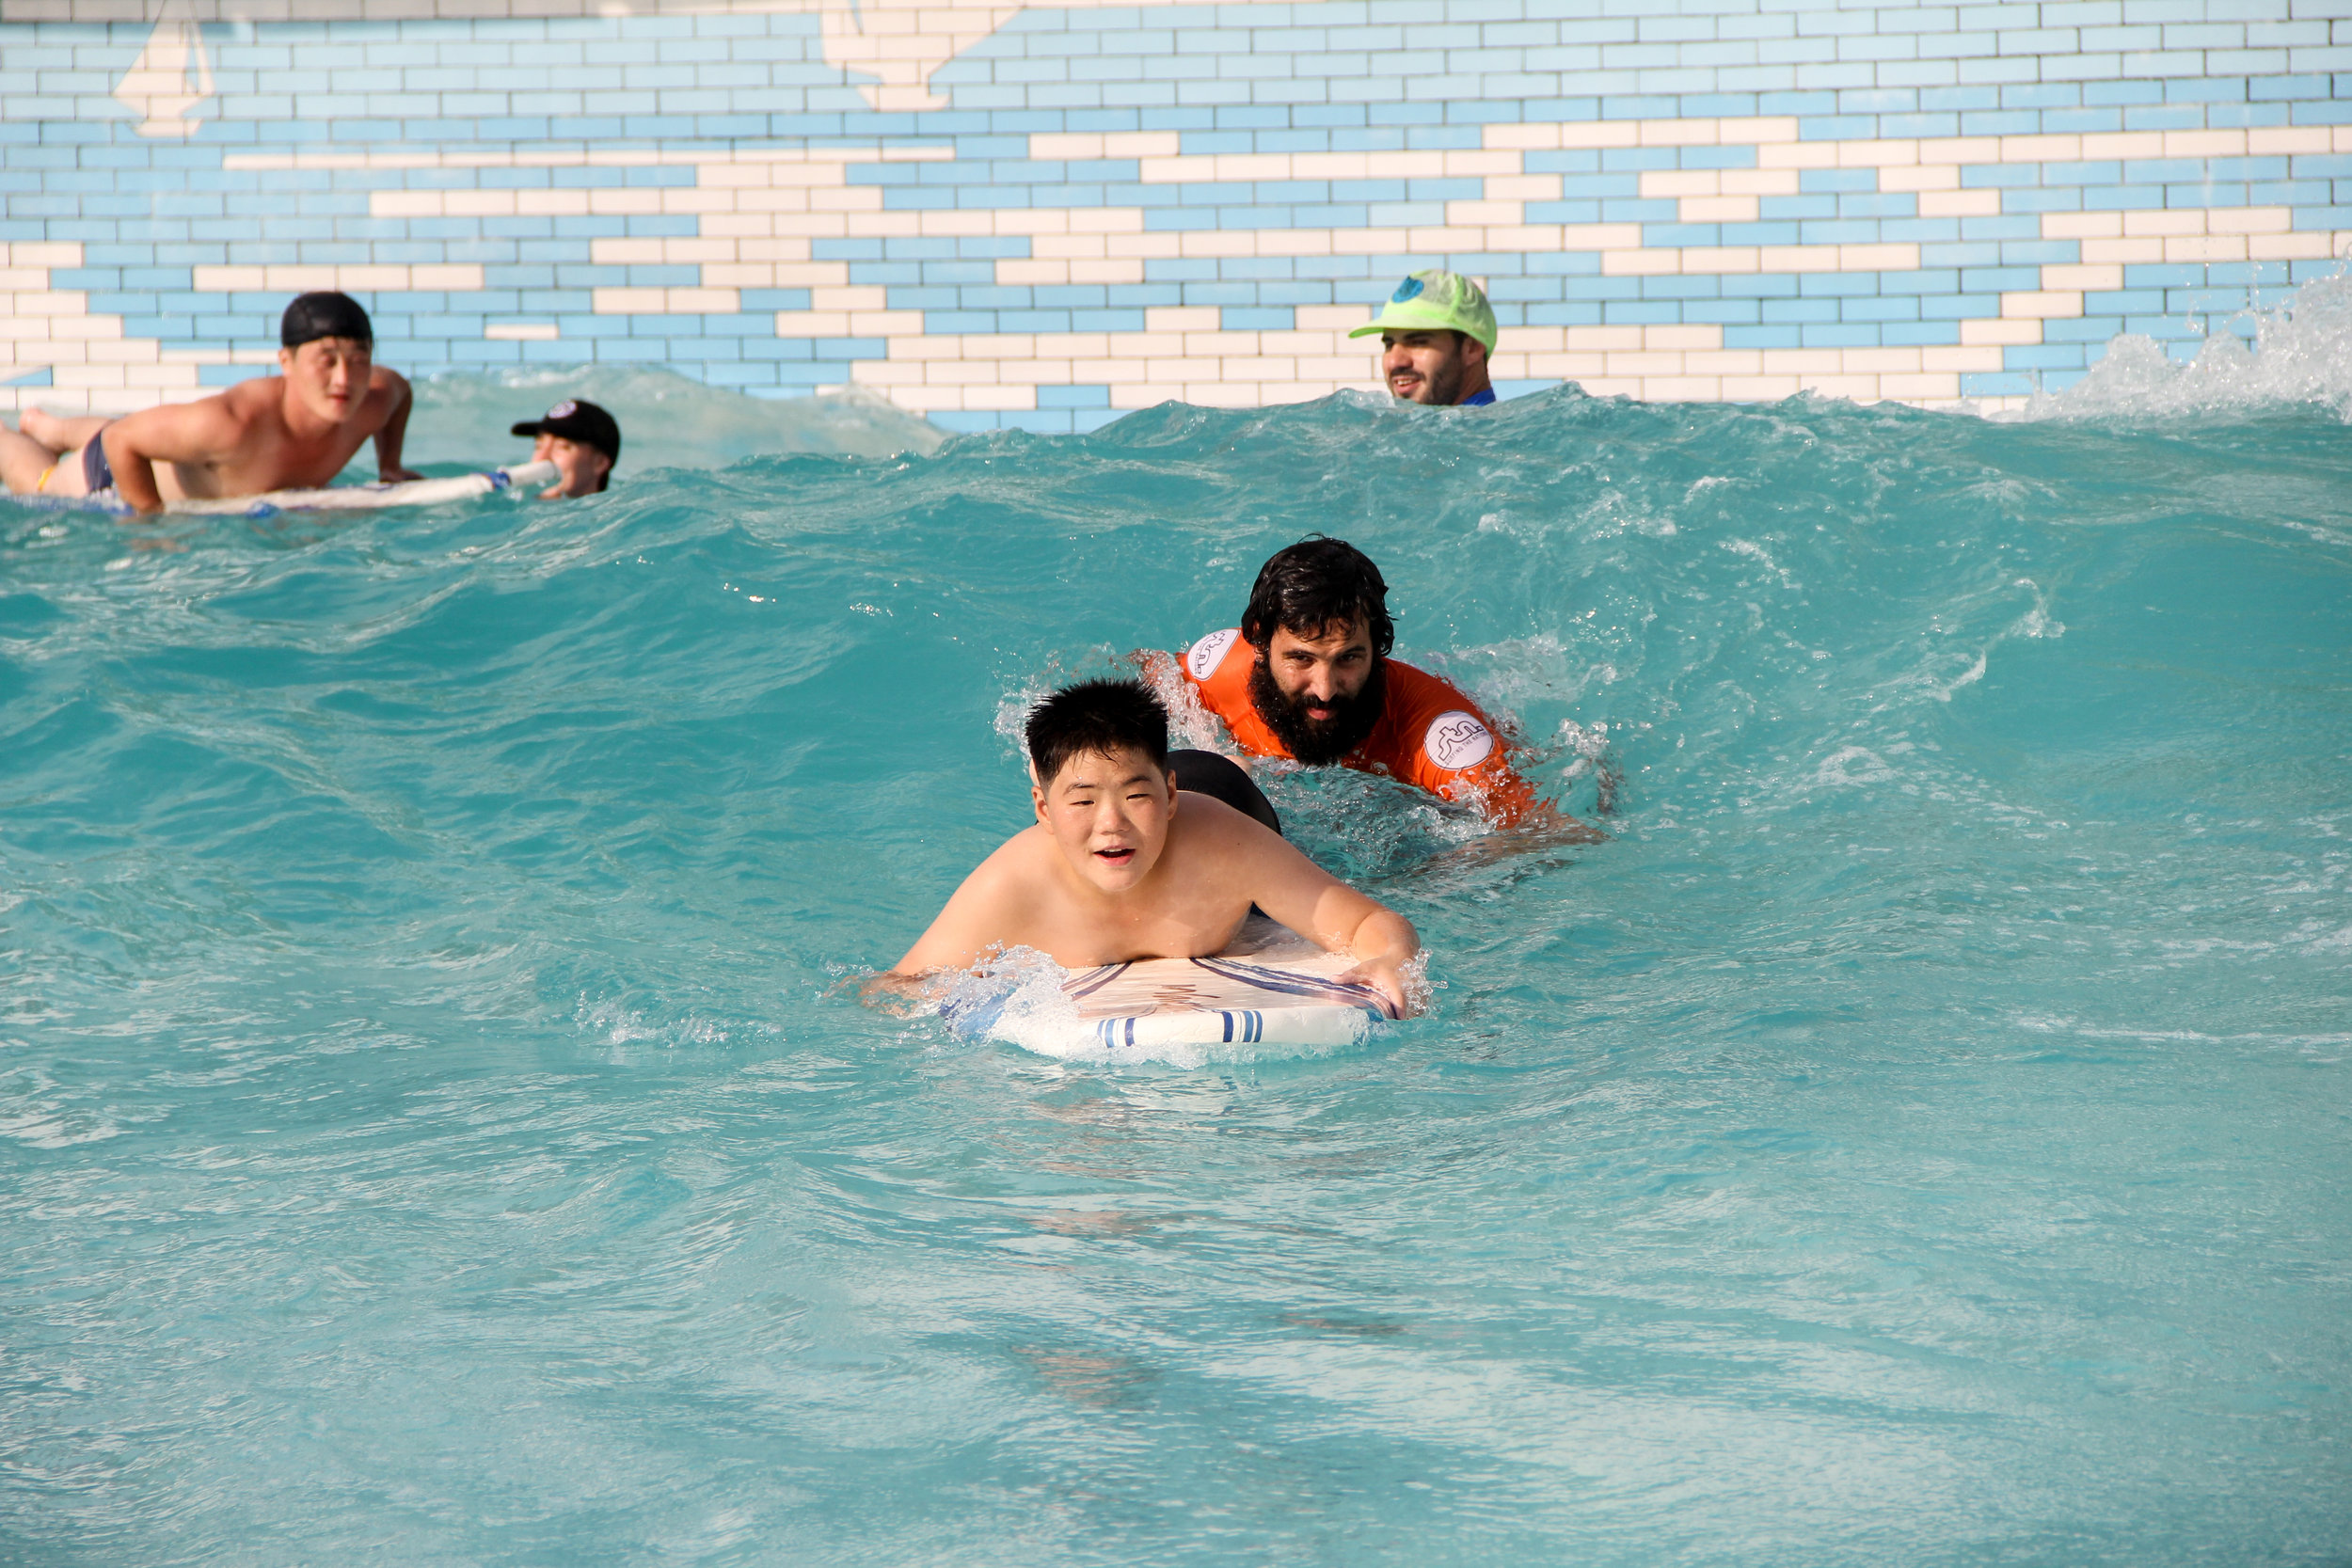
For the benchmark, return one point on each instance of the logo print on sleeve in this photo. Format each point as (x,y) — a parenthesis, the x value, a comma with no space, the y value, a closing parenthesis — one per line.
(1457,741)
(1210,652)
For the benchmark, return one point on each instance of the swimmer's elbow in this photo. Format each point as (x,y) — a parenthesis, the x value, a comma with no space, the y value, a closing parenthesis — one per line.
(1409,937)
(912,969)
(930,957)
(1384,929)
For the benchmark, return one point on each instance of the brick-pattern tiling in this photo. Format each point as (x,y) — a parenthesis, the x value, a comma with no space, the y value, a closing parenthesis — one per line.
(1042,216)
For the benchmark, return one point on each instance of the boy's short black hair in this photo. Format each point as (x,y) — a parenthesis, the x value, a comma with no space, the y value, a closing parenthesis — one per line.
(1316,584)
(1095,716)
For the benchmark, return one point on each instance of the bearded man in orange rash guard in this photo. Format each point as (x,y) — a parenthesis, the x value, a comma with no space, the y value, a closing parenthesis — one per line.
(1307,676)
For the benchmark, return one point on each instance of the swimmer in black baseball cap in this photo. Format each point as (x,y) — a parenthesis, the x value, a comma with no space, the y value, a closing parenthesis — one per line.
(295,430)
(581,440)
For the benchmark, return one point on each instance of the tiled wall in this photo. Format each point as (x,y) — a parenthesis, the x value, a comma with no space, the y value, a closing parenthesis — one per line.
(1043,216)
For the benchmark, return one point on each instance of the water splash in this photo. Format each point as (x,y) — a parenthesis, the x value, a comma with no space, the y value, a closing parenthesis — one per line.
(668,421)
(2301,356)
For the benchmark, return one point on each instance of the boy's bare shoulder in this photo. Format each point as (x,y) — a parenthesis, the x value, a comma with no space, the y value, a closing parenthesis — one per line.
(1015,865)
(1211,838)
(1213,824)
(991,908)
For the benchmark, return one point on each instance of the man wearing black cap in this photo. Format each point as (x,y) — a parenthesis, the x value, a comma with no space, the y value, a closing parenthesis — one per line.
(581,440)
(295,430)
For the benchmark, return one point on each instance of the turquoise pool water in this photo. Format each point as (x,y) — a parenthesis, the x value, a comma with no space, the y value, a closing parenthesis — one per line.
(437,1132)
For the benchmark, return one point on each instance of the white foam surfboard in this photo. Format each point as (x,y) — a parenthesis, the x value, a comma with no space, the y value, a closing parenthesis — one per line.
(370,498)
(1270,988)
(333,497)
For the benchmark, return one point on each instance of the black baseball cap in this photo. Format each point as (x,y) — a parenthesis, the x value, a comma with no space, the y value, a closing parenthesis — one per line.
(578,419)
(325,314)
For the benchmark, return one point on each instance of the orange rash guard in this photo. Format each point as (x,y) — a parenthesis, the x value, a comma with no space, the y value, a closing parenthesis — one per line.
(1429,733)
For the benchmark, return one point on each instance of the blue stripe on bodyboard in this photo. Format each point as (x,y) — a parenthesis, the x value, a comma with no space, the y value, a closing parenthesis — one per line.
(1351,992)
(1087,985)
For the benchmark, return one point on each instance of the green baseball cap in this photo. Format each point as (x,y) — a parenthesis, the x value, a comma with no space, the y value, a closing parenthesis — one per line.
(1436,301)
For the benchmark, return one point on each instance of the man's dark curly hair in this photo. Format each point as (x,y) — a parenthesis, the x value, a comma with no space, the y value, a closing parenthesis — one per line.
(1314,585)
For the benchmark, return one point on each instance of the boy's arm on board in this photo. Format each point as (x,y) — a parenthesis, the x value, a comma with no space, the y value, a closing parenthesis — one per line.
(1383,942)
(1337,918)
(977,918)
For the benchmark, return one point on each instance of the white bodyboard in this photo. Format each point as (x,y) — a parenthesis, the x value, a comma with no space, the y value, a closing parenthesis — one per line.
(334,497)
(1271,992)
(373,498)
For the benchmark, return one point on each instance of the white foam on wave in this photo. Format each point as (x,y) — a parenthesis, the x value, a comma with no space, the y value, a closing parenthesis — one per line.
(667,421)
(2301,356)
(1190,724)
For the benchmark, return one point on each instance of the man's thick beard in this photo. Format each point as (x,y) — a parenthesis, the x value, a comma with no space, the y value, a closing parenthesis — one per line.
(1318,743)
(1445,382)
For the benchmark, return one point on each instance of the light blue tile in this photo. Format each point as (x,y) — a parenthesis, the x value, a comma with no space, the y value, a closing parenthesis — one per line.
(1816,181)
(1738,156)
(1666,235)
(2007,226)
(2045,355)
(1767,335)
(1685,291)
(1879,308)
(1837,285)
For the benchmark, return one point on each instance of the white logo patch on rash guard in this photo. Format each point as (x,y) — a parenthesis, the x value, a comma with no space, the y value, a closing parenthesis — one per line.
(1210,652)
(1457,741)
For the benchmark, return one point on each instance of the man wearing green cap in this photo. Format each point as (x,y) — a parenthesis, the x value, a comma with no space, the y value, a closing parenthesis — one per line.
(1436,333)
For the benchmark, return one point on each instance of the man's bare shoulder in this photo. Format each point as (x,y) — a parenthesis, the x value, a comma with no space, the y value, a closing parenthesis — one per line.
(386,390)
(191,431)
(250,399)
(237,410)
